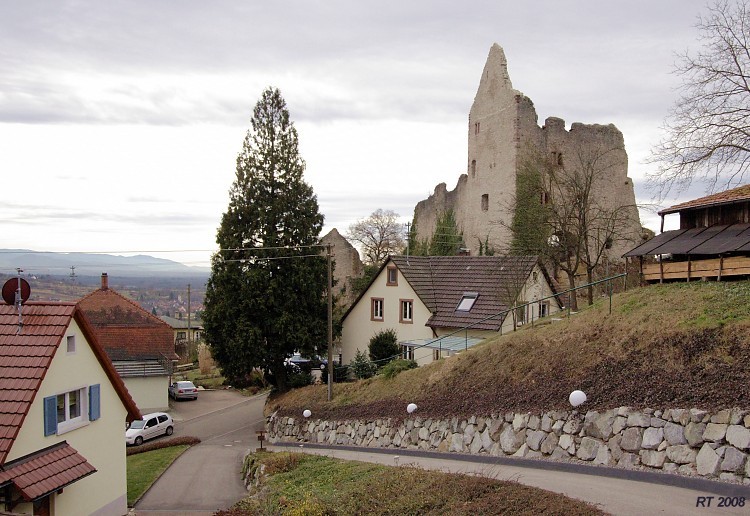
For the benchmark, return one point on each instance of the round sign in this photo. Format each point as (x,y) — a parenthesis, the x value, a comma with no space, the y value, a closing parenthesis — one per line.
(10,288)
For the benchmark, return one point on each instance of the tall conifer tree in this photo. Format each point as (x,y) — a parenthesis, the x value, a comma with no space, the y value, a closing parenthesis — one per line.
(265,296)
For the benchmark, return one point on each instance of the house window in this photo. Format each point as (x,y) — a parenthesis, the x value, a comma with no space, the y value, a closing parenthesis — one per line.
(408,353)
(181,335)
(467,301)
(71,344)
(543,309)
(406,312)
(392,278)
(376,314)
(485,202)
(70,410)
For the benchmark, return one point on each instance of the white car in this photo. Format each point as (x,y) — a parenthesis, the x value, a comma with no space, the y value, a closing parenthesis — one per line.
(152,425)
(183,390)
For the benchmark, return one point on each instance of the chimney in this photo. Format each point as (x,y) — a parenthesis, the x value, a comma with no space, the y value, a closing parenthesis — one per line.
(105,281)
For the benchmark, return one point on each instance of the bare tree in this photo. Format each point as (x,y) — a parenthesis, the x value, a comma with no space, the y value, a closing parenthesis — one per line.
(561,215)
(378,235)
(708,129)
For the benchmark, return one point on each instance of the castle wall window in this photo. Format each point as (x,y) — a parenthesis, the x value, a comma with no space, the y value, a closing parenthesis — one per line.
(485,202)
(473,168)
(476,127)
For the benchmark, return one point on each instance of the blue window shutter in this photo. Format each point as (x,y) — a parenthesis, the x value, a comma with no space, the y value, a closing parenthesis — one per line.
(50,415)
(94,405)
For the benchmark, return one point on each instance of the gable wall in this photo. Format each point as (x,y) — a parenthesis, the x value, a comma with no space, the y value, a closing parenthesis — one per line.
(101,442)
(358,328)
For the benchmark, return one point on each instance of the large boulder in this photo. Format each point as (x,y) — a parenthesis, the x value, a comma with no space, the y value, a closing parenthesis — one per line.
(589,448)
(707,462)
(510,440)
(738,436)
(681,454)
(674,434)
(632,439)
(715,432)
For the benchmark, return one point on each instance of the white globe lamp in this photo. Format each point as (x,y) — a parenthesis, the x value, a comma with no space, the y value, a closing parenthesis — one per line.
(577,398)
(411,407)
(306,413)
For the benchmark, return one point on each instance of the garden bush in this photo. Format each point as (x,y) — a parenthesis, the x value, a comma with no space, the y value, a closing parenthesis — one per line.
(384,347)
(362,367)
(391,369)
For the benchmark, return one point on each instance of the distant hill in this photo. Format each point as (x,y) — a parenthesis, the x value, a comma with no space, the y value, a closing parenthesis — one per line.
(92,265)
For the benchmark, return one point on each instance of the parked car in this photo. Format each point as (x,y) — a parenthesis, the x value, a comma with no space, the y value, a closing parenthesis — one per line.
(183,390)
(152,425)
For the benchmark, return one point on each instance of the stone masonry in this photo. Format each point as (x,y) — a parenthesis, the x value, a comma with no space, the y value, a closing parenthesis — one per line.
(348,266)
(684,441)
(502,128)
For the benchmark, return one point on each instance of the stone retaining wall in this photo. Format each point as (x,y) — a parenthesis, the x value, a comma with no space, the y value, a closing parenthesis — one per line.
(687,441)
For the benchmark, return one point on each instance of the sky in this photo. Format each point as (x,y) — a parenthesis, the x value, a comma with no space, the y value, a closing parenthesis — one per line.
(120,122)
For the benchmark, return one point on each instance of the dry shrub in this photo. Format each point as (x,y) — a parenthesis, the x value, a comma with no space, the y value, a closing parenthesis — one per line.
(162,443)
(206,362)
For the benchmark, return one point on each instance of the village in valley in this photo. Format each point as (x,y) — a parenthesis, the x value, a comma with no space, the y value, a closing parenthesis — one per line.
(522,322)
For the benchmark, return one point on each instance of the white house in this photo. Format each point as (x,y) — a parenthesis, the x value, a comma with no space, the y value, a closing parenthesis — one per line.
(63,410)
(439,305)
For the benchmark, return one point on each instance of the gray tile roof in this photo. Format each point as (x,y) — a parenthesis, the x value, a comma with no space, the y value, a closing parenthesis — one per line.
(441,281)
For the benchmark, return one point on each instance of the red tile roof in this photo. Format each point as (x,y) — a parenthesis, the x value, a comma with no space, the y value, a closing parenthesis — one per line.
(26,356)
(739,194)
(45,471)
(124,329)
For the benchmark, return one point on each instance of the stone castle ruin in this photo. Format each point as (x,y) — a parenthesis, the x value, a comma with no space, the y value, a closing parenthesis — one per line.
(502,128)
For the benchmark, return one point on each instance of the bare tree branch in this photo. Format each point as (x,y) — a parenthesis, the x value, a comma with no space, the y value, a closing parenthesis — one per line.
(708,128)
(378,235)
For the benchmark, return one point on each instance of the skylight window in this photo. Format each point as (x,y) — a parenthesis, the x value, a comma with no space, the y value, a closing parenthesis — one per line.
(467,301)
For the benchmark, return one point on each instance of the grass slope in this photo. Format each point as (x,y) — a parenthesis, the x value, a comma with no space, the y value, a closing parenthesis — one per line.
(316,485)
(675,345)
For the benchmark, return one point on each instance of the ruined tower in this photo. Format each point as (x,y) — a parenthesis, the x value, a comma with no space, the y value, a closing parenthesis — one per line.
(502,127)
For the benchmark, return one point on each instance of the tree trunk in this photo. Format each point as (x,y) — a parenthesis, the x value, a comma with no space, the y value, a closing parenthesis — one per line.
(590,289)
(279,377)
(572,293)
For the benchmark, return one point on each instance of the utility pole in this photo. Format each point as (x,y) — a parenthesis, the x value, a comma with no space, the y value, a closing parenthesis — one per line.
(189,336)
(330,323)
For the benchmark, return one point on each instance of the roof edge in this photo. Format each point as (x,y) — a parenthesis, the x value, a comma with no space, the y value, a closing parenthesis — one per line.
(88,331)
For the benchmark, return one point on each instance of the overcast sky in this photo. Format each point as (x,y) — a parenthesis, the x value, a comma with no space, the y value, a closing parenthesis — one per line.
(120,121)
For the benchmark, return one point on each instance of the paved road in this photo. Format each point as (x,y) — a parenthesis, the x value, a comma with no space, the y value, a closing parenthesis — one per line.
(619,496)
(206,478)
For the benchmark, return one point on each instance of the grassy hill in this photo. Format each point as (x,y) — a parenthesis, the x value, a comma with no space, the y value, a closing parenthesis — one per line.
(676,345)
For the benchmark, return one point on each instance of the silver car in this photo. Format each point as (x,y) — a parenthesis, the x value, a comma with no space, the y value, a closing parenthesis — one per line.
(152,425)
(183,390)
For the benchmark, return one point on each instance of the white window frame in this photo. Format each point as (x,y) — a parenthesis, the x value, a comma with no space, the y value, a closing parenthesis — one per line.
(67,424)
(377,308)
(467,301)
(406,311)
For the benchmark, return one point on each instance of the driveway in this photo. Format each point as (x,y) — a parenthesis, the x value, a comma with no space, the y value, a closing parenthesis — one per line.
(207,477)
